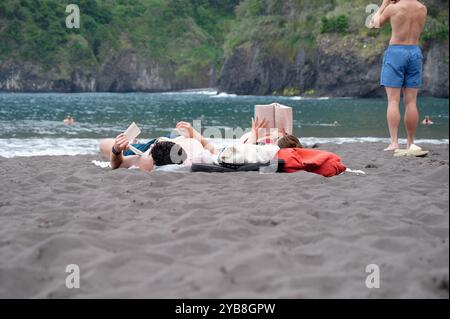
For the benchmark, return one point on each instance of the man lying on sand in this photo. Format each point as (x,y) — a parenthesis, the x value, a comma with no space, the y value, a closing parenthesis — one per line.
(184,150)
(402,64)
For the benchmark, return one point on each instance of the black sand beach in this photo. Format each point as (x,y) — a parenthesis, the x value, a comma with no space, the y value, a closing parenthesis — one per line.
(246,235)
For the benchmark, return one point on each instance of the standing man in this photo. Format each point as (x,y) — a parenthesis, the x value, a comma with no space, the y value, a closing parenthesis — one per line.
(402,63)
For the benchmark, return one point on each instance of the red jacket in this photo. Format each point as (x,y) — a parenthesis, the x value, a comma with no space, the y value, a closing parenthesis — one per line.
(314,161)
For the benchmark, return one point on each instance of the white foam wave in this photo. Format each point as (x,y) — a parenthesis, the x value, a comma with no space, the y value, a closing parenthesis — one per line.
(224,95)
(10,148)
(347,140)
(322,98)
(194,92)
(300,98)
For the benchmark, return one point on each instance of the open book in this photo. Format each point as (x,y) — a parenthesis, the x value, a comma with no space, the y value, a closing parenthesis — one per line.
(132,133)
(277,115)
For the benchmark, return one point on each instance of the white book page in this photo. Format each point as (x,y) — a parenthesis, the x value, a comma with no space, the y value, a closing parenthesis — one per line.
(277,115)
(132,132)
(266,112)
(284,118)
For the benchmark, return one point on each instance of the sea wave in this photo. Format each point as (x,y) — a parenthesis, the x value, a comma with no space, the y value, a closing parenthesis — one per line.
(301,98)
(224,95)
(13,147)
(347,140)
(194,92)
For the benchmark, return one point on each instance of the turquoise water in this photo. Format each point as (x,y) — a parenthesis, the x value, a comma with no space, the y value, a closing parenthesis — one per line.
(37,118)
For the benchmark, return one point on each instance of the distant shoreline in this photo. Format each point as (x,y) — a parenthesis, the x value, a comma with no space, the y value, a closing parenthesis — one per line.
(218,94)
(56,147)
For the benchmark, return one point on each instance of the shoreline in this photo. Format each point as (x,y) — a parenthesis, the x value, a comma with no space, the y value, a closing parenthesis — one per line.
(195,235)
(30,147)
(209,91)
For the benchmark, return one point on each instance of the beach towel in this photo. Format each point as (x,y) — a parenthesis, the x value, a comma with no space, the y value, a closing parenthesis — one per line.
(314,161)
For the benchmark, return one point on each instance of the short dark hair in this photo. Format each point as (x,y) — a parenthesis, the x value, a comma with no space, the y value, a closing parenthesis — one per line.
(168,153)
(289,141)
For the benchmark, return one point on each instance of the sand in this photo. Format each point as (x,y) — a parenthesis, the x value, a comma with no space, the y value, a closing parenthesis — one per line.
(245,235)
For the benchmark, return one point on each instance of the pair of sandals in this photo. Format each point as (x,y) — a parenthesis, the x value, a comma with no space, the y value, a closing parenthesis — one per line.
(413,151)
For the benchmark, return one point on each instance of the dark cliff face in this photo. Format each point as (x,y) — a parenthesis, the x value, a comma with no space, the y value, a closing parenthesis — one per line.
(250,70)
(126,71)
(334,68)
(436,69)
(322,48)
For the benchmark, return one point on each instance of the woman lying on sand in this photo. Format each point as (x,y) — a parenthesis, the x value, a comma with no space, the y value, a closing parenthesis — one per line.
(261,134)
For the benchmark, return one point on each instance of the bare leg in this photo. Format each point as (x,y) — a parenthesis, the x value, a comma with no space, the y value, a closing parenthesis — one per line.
(393,116)
(411,113)
(106,147)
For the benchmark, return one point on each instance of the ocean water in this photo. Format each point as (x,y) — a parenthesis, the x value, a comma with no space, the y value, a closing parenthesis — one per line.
(32,124)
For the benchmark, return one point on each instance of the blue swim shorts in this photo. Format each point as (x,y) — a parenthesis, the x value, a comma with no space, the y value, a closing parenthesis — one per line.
(402,67)
(142,147)
(145,147)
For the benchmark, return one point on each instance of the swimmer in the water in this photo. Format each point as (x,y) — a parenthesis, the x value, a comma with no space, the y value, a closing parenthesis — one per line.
(427,121)
(69,120)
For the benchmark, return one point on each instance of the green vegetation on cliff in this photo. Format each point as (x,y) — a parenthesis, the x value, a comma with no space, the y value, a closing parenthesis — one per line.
(193,36)
(187,33)
(294,23)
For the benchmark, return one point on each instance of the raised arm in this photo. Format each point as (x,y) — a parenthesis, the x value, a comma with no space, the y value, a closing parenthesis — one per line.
(258,126)
(377,21)
(119,161)
(384,5)
(120,144)
(386,15)
(188,131)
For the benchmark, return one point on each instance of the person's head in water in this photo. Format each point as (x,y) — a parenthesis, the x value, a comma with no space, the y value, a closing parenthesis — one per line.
(168,153)
(69,120)
(289,141)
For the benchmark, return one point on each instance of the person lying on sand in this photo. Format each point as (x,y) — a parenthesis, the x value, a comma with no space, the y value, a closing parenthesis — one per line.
(261,134)
(190,147)
(289,141)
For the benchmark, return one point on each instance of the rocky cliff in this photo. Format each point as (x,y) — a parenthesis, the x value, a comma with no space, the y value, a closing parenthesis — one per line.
(126,71)
(322,48)
(333,68)
(258,47)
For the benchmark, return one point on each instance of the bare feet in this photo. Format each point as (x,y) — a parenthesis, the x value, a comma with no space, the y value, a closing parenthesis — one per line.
(392,147)
(408,146)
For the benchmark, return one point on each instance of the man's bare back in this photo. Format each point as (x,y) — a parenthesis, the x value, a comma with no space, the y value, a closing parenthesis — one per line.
(408,19)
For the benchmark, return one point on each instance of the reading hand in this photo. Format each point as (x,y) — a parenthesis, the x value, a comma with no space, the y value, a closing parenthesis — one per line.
(121,144)
(257,125)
